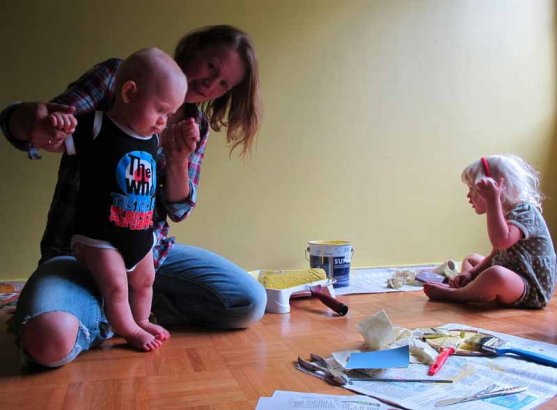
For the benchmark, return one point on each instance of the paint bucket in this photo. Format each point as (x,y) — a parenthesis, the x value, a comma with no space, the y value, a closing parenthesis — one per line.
(332,256)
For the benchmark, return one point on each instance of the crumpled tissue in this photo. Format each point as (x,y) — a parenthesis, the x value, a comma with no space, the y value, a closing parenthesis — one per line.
(379,333)
(401,278)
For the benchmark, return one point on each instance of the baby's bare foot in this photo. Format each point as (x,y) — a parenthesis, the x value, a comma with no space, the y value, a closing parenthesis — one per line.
(159,332)
(143,340)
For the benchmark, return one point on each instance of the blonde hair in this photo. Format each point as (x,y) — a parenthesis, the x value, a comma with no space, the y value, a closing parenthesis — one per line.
(242,104)
(521,180)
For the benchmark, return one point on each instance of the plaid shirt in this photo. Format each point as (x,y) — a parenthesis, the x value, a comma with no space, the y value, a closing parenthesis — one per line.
(95,91)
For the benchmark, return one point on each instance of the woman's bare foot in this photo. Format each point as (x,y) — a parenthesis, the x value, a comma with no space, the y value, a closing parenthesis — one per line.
(159,332)
(143,340)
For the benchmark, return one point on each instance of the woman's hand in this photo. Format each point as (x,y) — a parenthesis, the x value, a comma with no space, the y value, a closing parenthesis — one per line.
(460,280)
(32,122)
(179,140)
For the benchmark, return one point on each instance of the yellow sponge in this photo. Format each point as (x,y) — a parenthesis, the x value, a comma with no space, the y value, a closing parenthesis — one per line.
(287,279)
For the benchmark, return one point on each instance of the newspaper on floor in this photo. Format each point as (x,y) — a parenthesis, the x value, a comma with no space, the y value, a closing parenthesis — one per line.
(286,400)
(373,280)
(471,375)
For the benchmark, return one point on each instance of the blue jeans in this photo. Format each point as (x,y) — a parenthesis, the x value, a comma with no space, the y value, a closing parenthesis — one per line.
(193,286)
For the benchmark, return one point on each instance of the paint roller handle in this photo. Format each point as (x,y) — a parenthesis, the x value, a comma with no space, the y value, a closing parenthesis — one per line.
(534,357)
(331,302)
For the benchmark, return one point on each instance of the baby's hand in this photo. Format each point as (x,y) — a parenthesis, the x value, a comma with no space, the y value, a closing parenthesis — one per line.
(489,189)
(191,134)
(32,120)
(180,140)
(63,121)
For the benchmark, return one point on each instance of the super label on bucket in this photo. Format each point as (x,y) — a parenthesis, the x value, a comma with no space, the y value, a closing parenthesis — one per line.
(332,256)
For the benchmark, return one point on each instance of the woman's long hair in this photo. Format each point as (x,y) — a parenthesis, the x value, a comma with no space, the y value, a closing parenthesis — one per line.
(239,110)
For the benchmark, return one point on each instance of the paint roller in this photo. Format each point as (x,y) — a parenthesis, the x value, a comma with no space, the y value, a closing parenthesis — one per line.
(303,280)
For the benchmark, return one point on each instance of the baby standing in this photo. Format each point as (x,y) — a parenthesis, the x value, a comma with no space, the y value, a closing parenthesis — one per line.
(520,270)
(114,222)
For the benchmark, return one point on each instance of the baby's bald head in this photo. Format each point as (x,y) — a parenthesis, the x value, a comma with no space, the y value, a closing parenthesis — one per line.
(150,88)
(150,68)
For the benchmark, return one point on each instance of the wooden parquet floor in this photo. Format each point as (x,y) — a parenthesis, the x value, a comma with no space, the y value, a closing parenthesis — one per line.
(200,369)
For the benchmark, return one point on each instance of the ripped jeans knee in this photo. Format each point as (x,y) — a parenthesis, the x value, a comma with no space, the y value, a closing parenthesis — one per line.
(63,285)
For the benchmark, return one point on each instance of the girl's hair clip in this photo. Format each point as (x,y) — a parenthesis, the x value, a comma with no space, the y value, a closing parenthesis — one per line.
(485,163)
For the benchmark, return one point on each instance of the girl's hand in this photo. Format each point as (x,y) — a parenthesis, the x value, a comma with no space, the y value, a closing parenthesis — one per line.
(489,189)
(180,140)
(461,280)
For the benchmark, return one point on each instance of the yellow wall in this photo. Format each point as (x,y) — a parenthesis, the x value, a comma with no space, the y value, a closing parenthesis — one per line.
(372,109)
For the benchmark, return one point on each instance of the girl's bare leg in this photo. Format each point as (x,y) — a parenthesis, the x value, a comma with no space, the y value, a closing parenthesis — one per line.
(495,284)
(471,261)
(109,271)
(141,296)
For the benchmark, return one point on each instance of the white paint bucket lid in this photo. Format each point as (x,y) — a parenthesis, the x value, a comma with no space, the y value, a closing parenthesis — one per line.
(330,243)
(330,248)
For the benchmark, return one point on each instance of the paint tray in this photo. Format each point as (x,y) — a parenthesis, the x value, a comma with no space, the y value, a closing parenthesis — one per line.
(278,300)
